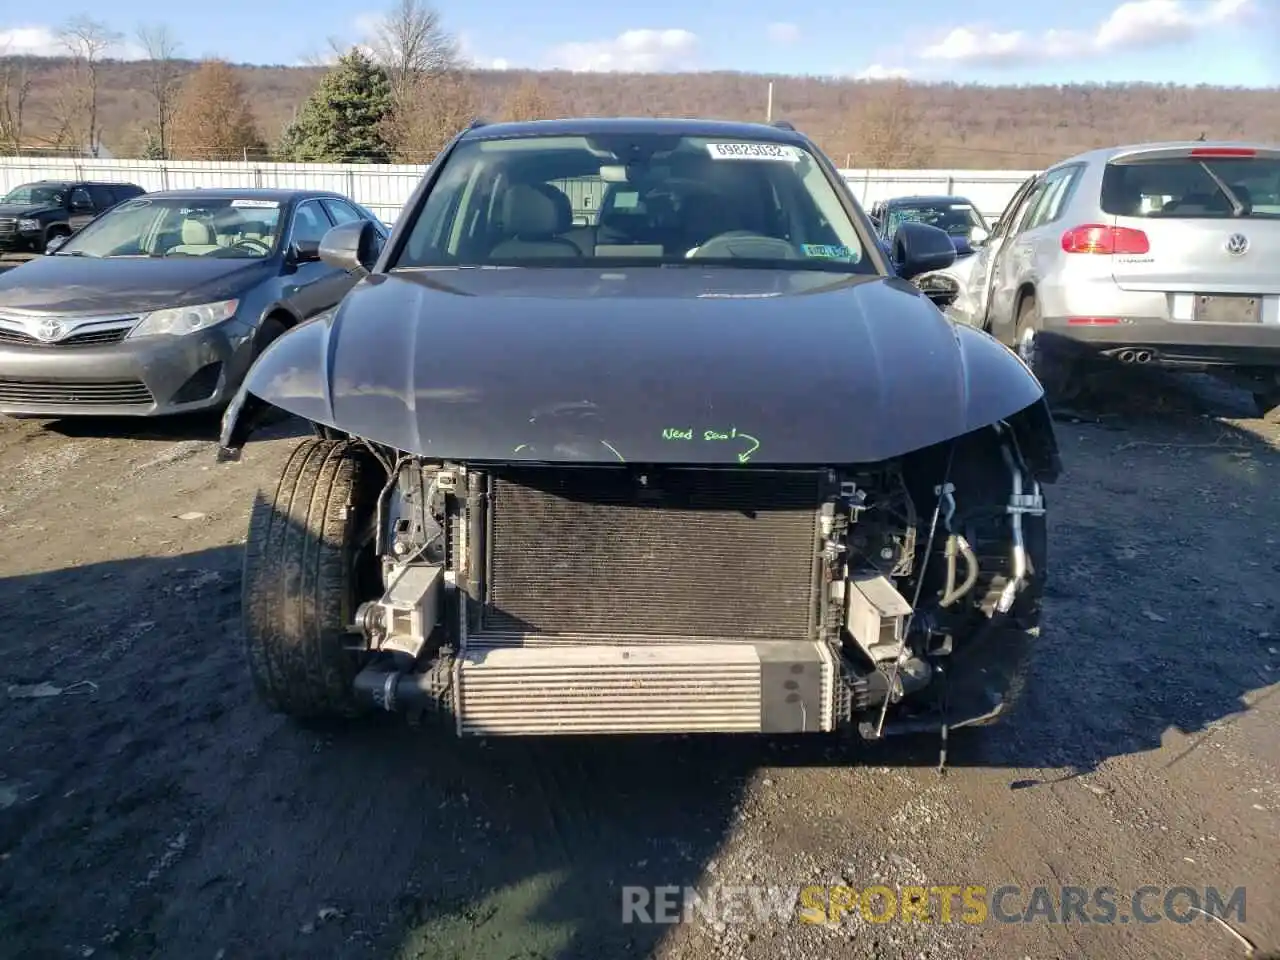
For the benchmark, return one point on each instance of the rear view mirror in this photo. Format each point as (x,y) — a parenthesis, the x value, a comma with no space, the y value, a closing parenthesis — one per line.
(305,251)
(919,248)
(352,246)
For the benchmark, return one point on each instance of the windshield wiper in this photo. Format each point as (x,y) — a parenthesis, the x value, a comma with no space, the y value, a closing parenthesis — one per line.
(1237,207)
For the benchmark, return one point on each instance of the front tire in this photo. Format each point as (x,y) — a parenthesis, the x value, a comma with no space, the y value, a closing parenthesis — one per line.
(54,232)
(1056,373)
(304,568)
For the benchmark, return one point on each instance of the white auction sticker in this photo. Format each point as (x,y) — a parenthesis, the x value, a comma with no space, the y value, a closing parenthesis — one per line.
(753,151)
(256,204)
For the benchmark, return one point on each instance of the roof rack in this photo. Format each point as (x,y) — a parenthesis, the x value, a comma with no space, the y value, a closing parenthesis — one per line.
(783,125)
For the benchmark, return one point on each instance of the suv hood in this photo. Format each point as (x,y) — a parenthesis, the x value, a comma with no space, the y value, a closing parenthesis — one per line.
(651,365)
(22,211)
(68,285)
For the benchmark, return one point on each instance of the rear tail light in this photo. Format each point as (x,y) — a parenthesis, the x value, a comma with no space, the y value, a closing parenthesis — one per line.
(1096,238)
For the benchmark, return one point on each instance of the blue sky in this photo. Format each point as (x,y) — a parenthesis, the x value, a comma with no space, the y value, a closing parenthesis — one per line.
(991,41)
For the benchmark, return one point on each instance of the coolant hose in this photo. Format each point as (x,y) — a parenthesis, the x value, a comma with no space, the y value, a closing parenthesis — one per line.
(958,546)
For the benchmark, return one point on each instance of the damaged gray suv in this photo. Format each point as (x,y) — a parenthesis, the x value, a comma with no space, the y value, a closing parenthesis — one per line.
(633,428)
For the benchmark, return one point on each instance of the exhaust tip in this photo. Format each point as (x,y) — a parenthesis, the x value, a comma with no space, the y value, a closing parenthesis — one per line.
(1126,356)
(1142,356)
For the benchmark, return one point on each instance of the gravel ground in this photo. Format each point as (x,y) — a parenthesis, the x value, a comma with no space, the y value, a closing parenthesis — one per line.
(150,808)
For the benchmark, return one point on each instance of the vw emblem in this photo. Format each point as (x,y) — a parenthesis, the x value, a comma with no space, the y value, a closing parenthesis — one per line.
(48,331)
(1237,244)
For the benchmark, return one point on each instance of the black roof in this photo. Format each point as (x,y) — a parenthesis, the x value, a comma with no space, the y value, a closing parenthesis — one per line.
(588,126)
(929,198)
(69,183)
(246,193)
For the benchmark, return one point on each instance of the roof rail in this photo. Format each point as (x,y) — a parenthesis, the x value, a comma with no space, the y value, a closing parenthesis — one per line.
(783,125)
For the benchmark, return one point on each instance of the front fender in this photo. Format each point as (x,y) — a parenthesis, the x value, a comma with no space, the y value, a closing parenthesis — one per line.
(292,375)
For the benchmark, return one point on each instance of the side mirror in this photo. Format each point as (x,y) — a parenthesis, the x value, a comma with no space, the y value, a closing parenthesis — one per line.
(943,290)
(919,248)
(56,243)
(305,251)
(978,236)
(352,246)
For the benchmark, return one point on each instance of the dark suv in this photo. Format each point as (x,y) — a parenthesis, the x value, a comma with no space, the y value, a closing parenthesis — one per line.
(35,213)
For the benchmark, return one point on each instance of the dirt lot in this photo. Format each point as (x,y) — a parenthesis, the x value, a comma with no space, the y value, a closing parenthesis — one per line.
(152,809)
(10,260)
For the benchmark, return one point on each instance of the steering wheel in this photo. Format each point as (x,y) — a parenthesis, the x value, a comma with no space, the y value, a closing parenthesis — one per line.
(257,246)
(746,244)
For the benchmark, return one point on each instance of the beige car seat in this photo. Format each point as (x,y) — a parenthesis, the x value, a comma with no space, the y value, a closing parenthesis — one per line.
(197,239)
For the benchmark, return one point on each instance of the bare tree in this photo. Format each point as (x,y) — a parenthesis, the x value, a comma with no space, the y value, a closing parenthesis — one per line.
(213,119)
(164,80)
(410,43)
(87,40)
(432,112)
(886,129)
(529,102)
(15,90)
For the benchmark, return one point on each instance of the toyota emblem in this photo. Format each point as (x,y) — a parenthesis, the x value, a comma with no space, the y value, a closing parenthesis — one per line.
(1237,244)
(48,331)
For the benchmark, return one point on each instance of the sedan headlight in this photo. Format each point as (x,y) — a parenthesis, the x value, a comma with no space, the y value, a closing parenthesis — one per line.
(176,321)
(27,226)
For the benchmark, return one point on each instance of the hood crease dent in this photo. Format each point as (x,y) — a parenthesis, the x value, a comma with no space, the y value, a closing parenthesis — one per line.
(825,369)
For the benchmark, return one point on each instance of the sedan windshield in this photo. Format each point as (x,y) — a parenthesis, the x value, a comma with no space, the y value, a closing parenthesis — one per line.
(958,218)
(36,195)
(638,199)
(181,227)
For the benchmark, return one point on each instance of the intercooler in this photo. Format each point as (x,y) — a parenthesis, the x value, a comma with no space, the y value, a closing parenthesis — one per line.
(629,599)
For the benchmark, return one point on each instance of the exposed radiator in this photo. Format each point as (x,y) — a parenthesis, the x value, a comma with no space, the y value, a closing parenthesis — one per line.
(660,555)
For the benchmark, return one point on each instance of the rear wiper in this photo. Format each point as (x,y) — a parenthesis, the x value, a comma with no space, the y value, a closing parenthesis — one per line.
(1237,207)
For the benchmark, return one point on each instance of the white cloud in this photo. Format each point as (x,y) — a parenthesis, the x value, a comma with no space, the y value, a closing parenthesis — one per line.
(784,32)
(43,41)
(1131,25)
(31,42)
(635,51)
(878,71)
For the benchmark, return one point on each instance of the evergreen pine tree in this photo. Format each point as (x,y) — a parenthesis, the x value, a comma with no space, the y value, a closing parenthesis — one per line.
(343,120)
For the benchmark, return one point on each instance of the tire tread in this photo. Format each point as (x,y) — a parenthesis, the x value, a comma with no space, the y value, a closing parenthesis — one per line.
(297,582)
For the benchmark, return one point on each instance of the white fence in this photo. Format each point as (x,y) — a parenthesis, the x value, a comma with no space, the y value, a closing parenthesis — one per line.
(384,188)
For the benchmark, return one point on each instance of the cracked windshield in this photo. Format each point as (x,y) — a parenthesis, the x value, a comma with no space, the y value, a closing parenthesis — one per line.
(484,481)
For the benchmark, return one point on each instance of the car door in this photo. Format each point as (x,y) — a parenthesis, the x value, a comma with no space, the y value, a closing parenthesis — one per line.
(310,286)
(80,208)
(987,259)
(1025,246)
(103,197)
